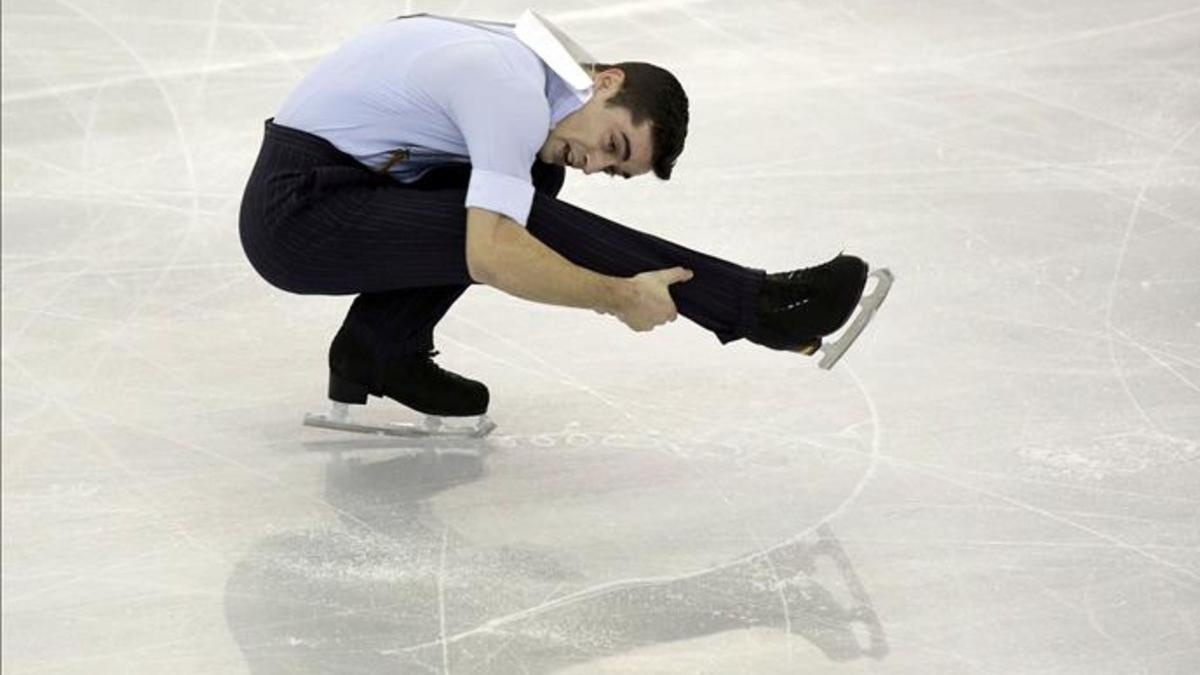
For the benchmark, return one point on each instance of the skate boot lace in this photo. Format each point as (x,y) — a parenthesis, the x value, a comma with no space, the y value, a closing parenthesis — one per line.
(796,288)
(431,368)
(427,362)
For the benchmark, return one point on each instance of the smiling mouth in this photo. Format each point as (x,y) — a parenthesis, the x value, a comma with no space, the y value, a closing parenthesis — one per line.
(568,156)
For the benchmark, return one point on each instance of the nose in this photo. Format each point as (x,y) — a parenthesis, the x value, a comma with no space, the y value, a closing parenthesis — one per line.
(596,161)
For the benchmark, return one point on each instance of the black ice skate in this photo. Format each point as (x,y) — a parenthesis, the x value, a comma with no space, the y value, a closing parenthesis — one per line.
(453,405)
(798,309)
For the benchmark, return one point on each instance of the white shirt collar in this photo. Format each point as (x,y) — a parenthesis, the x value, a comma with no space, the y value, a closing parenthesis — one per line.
(557,50)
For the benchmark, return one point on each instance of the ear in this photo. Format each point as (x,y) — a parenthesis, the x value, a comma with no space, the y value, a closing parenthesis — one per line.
(609,80)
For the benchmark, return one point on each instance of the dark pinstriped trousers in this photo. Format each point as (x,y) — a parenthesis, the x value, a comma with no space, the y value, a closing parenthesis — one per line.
(314,220)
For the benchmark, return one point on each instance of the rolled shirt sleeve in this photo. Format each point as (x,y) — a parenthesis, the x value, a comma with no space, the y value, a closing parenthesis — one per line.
(501,192)
(503,116)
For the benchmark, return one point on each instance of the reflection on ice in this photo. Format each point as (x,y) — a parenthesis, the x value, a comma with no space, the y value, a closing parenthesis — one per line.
(390,586)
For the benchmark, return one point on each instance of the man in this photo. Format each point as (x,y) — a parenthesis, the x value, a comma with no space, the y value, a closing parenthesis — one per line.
(426,155)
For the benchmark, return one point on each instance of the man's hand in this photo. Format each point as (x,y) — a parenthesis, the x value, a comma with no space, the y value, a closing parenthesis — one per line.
(646,298)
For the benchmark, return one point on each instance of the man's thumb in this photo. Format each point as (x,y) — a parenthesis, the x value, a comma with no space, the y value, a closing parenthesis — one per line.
(677,274)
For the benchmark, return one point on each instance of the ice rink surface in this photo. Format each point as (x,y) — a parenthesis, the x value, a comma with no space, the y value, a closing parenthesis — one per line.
(1003,476)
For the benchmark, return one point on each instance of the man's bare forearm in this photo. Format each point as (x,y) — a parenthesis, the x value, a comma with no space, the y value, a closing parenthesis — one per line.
(503,254)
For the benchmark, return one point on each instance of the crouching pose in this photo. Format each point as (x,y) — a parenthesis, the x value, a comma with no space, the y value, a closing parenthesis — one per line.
(425,155)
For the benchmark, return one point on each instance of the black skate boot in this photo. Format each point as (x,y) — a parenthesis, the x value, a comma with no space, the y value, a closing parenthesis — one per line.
(796,309)
(413,380)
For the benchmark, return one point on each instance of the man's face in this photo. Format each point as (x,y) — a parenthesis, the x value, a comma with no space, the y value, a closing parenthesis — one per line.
(598,137)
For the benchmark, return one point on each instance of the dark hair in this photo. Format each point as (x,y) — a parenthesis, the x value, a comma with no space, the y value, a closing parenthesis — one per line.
(650,92)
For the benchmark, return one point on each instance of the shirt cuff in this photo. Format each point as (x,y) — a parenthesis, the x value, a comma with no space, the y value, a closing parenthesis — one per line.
(501,193)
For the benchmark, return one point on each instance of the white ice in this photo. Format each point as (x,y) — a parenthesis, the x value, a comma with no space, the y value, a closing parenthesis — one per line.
(1003,476)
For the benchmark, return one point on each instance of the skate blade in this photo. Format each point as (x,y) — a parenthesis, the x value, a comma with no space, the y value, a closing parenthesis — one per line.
(868,306)
(432,427)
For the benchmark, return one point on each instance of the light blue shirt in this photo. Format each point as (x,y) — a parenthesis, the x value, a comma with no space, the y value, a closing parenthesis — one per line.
(418,92)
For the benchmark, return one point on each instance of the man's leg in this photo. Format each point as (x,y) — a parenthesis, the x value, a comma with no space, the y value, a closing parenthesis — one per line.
(401,238)
(384,330)
(720,296)
(402,321)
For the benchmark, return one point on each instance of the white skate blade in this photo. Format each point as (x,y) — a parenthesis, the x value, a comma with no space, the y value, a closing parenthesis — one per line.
(338,418)
(868,305)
